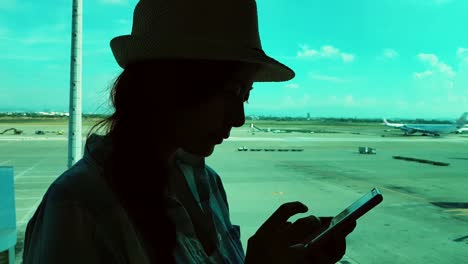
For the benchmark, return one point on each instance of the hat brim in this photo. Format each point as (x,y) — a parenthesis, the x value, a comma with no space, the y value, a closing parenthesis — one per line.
(130,49)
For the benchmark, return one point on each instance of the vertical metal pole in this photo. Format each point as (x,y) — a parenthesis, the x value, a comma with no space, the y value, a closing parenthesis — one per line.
(8,236)
(75,112)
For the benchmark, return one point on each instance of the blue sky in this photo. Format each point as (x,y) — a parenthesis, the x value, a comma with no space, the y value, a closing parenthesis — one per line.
(361,58)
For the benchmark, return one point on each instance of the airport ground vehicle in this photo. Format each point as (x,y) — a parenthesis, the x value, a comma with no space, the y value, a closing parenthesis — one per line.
(15,131)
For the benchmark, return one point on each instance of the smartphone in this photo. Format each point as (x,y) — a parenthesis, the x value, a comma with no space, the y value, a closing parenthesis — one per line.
(352,213)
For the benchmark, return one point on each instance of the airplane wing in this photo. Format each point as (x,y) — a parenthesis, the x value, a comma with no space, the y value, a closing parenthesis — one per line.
(409,129)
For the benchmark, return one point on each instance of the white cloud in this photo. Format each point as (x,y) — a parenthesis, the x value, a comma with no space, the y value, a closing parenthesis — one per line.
(292,85)
(330,51)
(347,57)
(444,68)
(349,101)
(389,54)
(462,54)
(436,65)
(327,78)
(114,2)
(326,51)
(422,75)
(306,52)
(441,86)
(431,58)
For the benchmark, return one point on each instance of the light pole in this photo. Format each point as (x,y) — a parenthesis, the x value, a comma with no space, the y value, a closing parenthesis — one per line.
(75,111)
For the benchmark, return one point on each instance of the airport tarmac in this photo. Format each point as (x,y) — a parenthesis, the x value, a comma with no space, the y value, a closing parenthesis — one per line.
(423,218)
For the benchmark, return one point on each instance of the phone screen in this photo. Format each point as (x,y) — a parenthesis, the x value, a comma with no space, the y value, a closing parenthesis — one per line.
(353,212)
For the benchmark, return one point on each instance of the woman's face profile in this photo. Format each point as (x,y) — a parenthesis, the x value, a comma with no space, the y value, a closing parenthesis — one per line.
(207,124)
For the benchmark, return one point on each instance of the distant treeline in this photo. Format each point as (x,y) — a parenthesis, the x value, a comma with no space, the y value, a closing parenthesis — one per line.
(345,120)
(249,118)
(52,116)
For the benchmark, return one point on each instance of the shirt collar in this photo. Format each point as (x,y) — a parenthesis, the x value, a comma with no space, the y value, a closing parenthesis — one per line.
(189,158)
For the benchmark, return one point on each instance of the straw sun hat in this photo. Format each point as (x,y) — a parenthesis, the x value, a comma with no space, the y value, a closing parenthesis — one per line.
(198,29)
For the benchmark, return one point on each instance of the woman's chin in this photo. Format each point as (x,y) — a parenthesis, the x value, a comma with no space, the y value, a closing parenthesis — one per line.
(208,151)
(204,151)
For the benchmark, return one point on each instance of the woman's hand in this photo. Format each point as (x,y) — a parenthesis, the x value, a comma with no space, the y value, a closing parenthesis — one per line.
(281,242)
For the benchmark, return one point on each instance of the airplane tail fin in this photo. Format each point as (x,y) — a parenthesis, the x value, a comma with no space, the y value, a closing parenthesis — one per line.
(462,120)
(255,128)
(385,121)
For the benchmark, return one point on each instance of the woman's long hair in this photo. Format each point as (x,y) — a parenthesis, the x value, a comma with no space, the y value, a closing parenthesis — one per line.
(147,98)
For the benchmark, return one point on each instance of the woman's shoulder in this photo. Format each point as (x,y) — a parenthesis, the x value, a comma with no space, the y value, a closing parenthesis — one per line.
(80,185)
(83,183)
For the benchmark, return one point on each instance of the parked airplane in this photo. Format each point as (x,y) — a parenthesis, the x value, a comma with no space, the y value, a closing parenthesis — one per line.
(254,128)
(462,130)
(431,129)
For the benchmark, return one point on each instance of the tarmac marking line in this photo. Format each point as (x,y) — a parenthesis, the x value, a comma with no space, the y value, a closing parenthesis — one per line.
(33,139)
(42,176)
(33,182)
(27,190)
(458,211)
(28,198)
(29,169)
(461,239)
(22,209)
(21,223)
(4,162)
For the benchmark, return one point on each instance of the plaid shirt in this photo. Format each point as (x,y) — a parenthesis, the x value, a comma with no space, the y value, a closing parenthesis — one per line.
(80,221)
(208,190)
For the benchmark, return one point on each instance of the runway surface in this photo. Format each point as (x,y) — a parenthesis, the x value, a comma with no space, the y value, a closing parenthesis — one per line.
(423,218)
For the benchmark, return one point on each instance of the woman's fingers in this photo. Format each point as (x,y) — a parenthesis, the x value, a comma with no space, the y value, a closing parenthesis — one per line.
(349,228)
(336,249)
(280,241)
(330,252)
(270,243)
(346,230)
(303,229)
(280,217)
(326,220)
